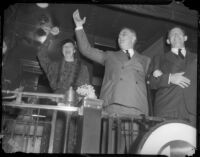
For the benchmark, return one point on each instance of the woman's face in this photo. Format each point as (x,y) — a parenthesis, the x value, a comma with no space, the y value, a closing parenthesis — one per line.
(68,49)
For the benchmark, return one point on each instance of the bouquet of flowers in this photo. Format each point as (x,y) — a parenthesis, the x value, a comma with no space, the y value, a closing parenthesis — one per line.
(86,91)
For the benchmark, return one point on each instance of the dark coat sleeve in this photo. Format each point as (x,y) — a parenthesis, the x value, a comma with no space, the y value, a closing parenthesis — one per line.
(87,50)
(161,81)
(44,59)
(50,67)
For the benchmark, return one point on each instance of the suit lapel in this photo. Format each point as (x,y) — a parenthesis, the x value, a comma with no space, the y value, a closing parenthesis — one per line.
(189,57)
(171,57)
(136,61)
(121,57)
(174,62)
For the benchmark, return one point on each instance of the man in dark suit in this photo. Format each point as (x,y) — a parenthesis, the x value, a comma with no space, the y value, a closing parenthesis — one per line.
(124,88)
(174,76)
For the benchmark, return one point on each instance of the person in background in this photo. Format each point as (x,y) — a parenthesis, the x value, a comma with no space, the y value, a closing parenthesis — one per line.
(174,76)
(124,84)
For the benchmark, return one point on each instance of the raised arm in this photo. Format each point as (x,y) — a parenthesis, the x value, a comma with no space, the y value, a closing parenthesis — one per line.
(83,43)
(44,60)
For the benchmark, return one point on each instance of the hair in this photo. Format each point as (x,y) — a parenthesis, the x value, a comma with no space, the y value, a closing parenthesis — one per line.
(67,41)
(179,27)
(131,30)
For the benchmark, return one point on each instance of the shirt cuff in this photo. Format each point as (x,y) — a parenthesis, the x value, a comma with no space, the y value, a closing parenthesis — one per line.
(169,78)
(79,28)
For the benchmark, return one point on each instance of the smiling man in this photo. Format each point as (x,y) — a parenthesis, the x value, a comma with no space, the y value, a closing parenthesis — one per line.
(124,87)
(124,83)
(174,76)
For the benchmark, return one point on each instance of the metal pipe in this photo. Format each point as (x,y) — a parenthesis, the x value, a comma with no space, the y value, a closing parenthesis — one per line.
(53,127)
(35,94)
(68,118)
(37,106)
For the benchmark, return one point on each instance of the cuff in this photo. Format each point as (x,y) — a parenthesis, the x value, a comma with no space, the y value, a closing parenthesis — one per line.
(79,28)
(169,78)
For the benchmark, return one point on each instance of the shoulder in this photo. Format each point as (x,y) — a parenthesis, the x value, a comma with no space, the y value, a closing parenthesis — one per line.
(111,53)
(194,55)
(84,66)
(82,63)
(84,69)
(144,57)
(159,57)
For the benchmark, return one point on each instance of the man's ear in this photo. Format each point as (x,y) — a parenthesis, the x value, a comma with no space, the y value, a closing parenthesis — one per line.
(133,39)
(168,42)
(185,38)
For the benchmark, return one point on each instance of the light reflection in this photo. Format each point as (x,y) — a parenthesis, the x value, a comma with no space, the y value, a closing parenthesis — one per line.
(42,5)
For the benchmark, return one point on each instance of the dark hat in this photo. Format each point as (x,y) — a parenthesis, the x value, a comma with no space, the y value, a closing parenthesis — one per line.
(68,41)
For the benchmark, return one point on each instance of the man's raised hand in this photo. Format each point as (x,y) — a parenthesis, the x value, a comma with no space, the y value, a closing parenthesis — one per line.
(77,19)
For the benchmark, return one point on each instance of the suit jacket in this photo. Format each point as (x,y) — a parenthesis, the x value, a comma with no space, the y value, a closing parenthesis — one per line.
(171,100)
(124,80)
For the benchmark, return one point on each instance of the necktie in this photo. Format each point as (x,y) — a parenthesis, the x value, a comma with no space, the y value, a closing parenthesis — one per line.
(180,54)
(128,54)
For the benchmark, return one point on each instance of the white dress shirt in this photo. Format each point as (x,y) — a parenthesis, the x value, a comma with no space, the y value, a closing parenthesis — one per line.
(175,51)
(130,51)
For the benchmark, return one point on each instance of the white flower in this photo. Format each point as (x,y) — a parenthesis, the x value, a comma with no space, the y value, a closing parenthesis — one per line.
(157,73)
(87,91)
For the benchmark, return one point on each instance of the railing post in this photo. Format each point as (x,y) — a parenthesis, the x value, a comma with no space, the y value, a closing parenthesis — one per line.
(89,132)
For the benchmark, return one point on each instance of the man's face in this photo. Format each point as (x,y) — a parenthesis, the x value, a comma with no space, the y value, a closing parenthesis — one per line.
(68,49)
(126,39)
(177,38)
